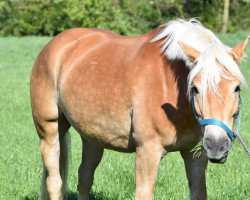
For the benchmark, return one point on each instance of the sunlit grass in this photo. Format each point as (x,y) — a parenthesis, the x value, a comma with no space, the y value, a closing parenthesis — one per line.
(20,161)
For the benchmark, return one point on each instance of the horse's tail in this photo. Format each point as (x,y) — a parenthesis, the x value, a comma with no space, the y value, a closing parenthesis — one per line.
(65,147)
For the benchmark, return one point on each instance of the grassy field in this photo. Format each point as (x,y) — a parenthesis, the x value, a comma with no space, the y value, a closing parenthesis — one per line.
(20,161)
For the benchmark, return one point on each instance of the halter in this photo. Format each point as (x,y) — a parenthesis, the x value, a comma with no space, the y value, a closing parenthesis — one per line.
(216,122)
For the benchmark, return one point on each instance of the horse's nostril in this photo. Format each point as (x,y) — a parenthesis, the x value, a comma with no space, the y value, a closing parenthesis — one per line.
(224,145)
(227,145)
(222,148)
(208,143)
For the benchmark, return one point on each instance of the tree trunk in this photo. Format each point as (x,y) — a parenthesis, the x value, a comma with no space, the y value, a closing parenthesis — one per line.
(225,15)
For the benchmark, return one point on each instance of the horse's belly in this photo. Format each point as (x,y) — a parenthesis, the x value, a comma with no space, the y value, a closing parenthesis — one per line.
(105,131)
(106,126)
(109,134)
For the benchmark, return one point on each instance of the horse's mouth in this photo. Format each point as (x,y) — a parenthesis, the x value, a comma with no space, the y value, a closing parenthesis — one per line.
(222,160)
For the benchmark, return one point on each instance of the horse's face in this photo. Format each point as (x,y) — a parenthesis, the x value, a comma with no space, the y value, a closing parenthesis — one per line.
(223,107)
(221,104)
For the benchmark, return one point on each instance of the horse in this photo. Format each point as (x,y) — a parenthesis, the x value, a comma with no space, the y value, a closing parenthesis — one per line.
(135,94)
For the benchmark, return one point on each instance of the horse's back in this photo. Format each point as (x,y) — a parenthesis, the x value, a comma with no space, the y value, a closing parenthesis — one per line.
(84,46)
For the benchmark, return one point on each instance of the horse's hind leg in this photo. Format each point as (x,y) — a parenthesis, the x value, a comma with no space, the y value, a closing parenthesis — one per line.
(54,149)
(91,157)
(51,126)
(195,170)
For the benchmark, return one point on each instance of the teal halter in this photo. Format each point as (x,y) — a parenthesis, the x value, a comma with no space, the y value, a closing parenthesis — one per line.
(216,122)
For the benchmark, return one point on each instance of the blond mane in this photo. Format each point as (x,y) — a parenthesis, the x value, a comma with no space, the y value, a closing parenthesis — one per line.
(193,33)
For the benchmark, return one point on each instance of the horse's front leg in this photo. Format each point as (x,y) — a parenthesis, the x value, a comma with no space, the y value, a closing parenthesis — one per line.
(196,174)
(148,156)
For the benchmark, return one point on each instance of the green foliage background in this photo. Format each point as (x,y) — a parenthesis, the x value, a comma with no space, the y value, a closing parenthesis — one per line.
(49,17)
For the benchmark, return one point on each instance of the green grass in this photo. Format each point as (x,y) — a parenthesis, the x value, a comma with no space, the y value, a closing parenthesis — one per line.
(20,161)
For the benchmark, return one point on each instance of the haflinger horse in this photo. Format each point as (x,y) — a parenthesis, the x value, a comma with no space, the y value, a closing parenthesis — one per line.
(135,94)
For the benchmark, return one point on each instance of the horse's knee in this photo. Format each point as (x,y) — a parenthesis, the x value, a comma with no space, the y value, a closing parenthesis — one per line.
(85,176)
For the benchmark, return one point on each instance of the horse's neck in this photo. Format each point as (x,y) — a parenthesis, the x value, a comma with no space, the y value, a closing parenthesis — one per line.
(171,76)
(176,83)
(173,73)
(180,73)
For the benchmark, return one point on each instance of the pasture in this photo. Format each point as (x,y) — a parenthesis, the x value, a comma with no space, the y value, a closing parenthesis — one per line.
(20,160)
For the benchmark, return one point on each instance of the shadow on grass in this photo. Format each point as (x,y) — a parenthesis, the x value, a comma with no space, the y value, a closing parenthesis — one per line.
(93,196)
(74,196)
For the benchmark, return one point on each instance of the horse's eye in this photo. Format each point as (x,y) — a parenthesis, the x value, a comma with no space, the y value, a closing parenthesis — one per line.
(237,89)
(194,90)
(236,114)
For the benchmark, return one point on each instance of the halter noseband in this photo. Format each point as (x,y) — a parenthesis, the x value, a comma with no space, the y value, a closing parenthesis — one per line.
(216,122)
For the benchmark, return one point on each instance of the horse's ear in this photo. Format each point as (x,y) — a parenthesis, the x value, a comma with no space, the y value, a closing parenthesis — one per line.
(191,52)
(238,50)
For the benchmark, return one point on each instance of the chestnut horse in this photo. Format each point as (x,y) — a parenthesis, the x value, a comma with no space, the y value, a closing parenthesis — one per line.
(132,94)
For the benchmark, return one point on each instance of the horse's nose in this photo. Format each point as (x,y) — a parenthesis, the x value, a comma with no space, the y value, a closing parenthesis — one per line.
(220,145)
(217,149)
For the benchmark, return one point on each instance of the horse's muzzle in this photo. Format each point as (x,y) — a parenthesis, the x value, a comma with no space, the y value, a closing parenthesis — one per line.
(216,150)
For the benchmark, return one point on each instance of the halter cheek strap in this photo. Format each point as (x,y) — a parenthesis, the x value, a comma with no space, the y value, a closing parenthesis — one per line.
(216,122)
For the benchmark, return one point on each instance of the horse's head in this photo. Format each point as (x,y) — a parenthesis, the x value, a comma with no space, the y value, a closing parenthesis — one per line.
(214,91)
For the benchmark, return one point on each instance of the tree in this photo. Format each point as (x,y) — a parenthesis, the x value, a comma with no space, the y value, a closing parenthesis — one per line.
(225,15)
